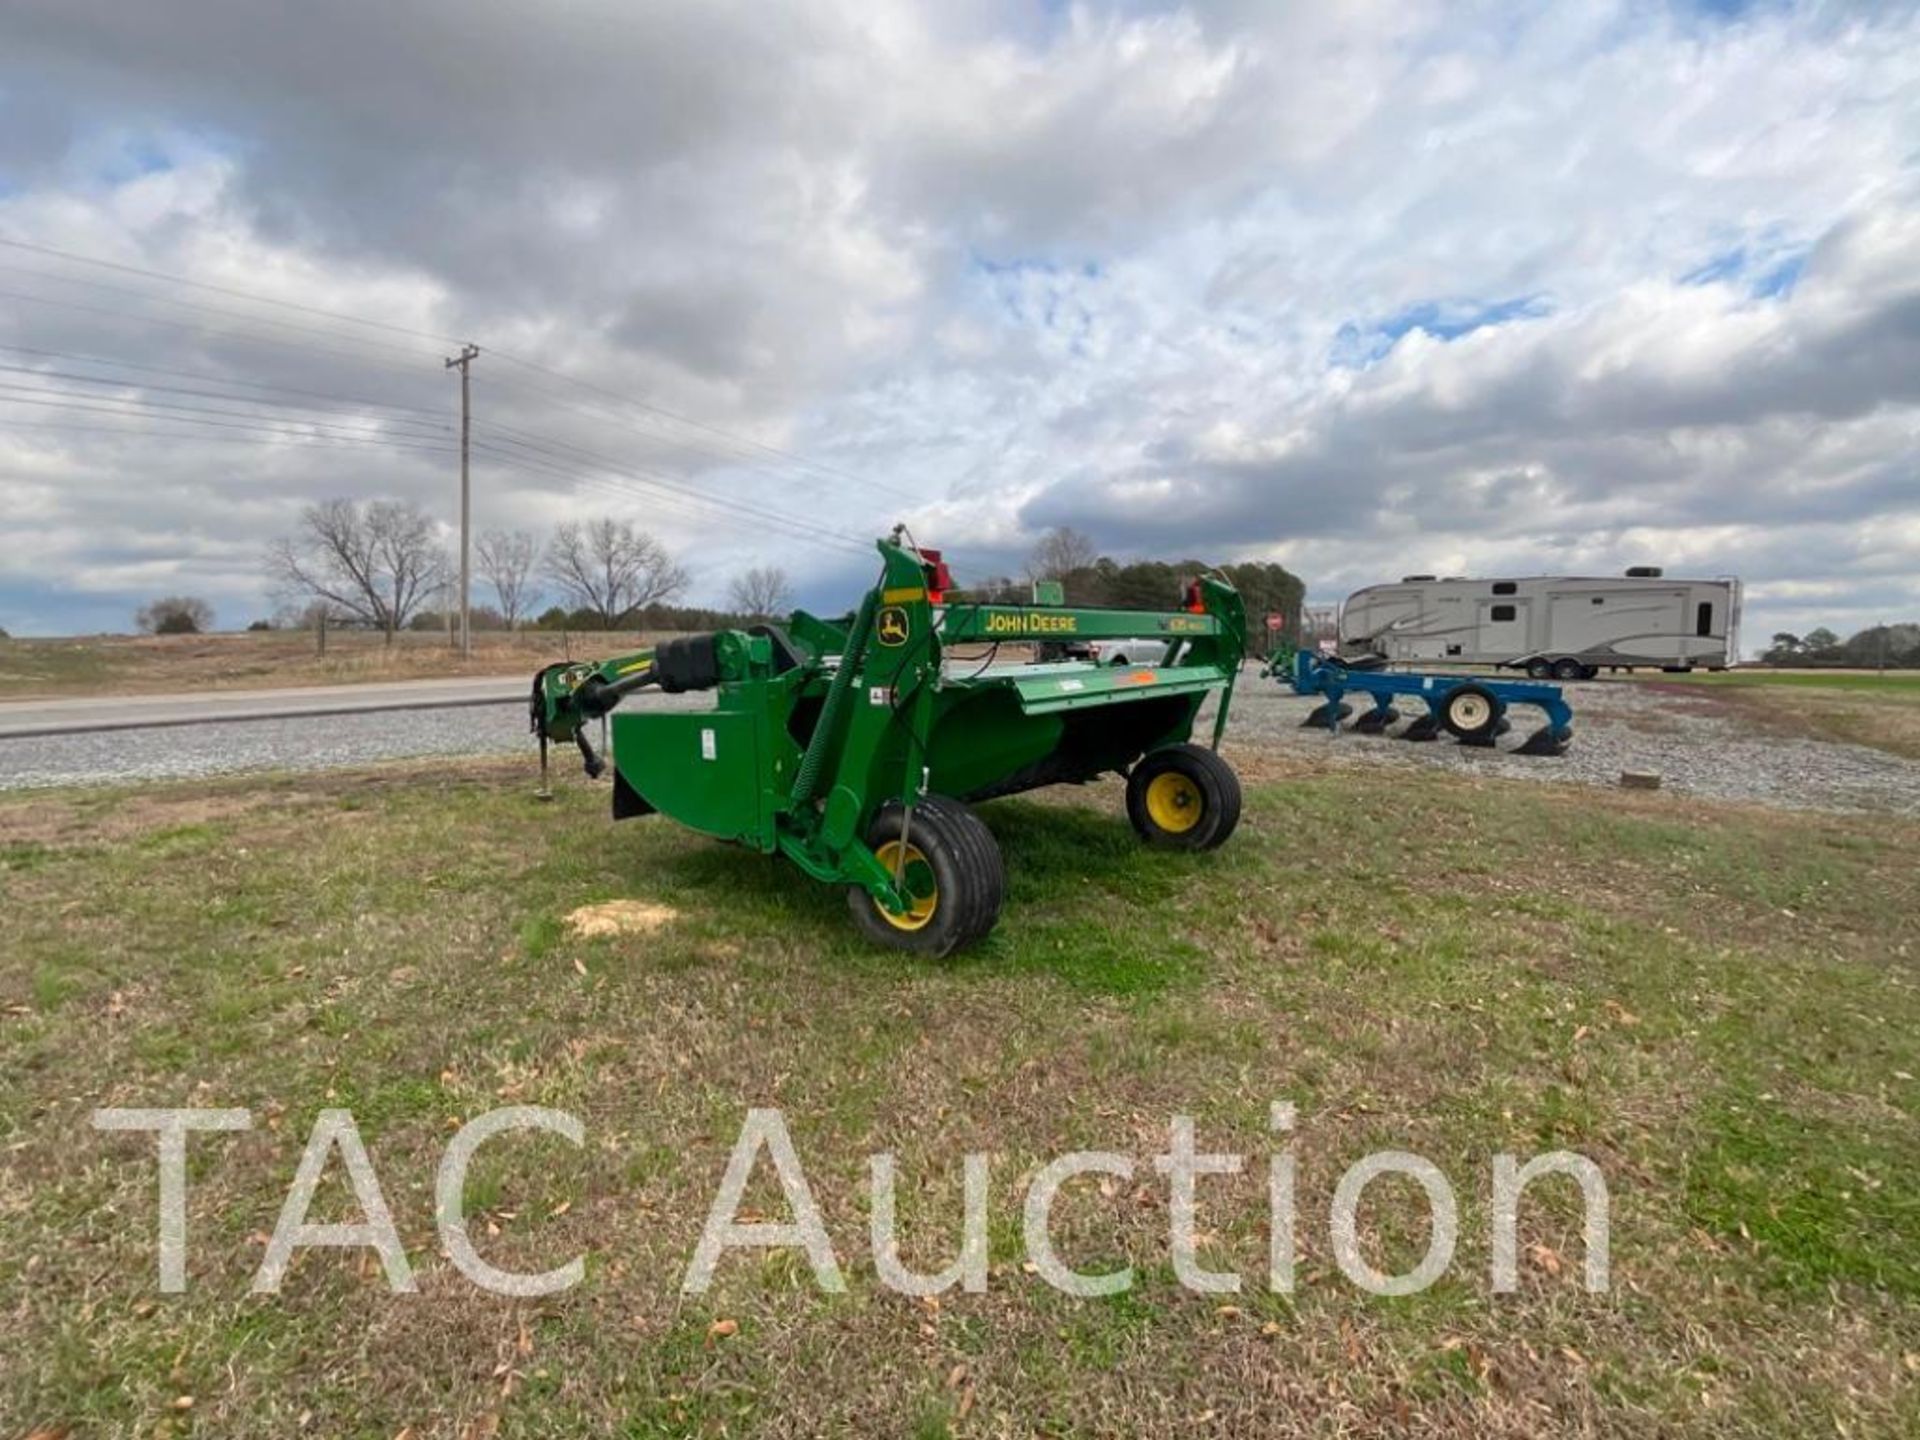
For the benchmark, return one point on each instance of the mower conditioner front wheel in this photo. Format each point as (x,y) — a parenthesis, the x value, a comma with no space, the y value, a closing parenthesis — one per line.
(1184,797)
(950,865)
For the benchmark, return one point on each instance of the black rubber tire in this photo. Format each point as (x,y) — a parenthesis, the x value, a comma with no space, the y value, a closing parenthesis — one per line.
(1219,791)
(970,878)
(1589,672)
(1539,670)
(1567,668)
(1484,729)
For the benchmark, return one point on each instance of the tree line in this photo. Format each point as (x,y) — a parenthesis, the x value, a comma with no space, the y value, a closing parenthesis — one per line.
(1087,577)
(1878,647)
(384,565)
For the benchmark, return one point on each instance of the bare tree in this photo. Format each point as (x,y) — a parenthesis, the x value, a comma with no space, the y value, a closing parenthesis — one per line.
(175,615)
(612,569)
(761,592)
(1059,553)
(376,563)
(506,560)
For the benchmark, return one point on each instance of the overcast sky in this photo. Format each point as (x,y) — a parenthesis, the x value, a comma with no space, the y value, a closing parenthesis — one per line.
(1462,288)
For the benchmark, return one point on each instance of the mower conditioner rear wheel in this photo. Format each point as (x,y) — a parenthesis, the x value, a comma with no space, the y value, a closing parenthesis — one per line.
(953,870)
(1184,797)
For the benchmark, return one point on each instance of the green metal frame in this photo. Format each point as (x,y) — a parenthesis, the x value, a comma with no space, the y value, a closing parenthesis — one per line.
(798,758)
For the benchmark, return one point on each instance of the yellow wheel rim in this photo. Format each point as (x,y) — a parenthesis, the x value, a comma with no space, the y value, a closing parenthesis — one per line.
(1174,802)
(920,908)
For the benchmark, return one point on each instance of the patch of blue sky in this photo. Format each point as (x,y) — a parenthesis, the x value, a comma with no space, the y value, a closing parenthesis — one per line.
(47,610)
(1725,9)
(1360,343)
(132,157)
(111,157)
(1779,279)
(1765,272)
(1041,292)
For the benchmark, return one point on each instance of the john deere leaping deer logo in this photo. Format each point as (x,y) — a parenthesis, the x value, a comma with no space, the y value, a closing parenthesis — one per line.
(892,628)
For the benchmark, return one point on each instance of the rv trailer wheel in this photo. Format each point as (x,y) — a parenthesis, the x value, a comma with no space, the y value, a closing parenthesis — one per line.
(1567,668)
(1539,670)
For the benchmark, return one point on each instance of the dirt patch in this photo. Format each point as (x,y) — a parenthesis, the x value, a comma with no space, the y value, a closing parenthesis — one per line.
(621,917)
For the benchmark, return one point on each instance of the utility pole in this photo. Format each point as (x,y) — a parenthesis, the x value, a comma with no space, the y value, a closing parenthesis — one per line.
(463,363)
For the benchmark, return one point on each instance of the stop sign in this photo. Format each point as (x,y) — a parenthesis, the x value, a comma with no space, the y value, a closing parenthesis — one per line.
(1276,621)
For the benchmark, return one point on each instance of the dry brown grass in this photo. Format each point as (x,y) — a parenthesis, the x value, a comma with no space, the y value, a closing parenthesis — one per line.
(158,664)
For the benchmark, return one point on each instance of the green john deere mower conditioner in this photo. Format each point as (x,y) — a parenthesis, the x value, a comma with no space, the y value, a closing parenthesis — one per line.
(854,747)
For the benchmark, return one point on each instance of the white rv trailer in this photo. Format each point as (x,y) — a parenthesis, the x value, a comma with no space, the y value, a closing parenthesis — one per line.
(1559,627)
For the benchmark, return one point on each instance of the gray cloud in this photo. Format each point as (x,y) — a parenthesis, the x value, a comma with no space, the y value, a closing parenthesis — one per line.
(1015,267)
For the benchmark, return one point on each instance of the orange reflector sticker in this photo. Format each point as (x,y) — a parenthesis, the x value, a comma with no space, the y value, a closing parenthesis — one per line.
(1141,677)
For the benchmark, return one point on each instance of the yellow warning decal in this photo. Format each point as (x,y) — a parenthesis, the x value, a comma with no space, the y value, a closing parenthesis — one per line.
(906,594)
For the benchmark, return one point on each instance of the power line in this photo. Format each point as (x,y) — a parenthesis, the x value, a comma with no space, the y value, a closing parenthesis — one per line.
(742,445)
(556,450)
(142,429)
(705,508)
(192,414)
(176,372)
(203,331)
(225,290)
(195,305)
(826,471)
(30,391)
(700,507)
(227,336)
(772,451)
(568,451)
(436,422)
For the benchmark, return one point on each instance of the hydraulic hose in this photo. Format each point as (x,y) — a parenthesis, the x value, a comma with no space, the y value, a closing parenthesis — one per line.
(808,779)
(596,697)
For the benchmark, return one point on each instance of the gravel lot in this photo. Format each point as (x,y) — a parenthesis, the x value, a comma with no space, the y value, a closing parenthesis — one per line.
(1696,745)
(186,752)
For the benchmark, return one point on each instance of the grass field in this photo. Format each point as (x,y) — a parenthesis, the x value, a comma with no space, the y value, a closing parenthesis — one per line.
(1718,1005)
(1862,707)
(1882,682)
(155,664)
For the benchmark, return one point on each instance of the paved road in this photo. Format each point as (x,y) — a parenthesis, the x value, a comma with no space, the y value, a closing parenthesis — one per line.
(1618,726)
(95,713)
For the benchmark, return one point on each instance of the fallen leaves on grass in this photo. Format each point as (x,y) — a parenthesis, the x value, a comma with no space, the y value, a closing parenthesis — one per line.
(720,1330)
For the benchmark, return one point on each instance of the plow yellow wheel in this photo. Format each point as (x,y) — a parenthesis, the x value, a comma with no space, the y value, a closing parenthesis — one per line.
(1184,797)
(1471,712)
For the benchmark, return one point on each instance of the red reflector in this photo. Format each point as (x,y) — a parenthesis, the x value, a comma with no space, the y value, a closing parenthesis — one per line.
(1196,603)
(939,578)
